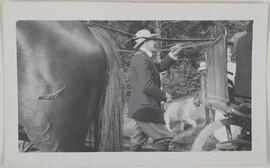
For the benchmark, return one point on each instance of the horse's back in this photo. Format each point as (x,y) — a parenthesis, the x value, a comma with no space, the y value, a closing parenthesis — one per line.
(58,63)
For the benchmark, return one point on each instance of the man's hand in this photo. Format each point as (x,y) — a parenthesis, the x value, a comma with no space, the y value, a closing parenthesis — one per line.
(168,97)
(174,51)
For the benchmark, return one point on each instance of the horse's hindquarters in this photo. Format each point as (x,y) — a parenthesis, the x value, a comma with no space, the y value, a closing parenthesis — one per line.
(58,86)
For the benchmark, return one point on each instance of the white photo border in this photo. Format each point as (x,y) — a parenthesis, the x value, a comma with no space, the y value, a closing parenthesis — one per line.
(14,11)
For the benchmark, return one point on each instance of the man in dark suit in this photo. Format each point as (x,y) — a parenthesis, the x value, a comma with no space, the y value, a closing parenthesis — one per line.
(146,95)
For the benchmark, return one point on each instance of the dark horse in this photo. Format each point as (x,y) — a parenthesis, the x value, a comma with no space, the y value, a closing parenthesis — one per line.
(68,79)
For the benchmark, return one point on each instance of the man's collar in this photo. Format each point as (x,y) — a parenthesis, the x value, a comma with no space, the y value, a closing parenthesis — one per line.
(149,53)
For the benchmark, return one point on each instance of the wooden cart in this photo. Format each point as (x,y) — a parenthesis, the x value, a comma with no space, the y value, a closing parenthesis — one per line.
(236,124)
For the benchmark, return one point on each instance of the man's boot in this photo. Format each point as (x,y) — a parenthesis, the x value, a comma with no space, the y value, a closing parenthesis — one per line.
(134,148)
(162,147)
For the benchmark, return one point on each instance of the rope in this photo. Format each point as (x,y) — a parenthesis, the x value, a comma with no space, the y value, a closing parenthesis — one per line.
(189,46)
(148,38)
(118,31)
(185,47)
(177,40)
(213,43)
(126,50)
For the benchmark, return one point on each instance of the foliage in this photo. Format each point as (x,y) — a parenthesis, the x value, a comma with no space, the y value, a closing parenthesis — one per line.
(182,78)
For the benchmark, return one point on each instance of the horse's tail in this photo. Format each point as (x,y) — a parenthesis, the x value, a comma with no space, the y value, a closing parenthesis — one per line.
(110,118)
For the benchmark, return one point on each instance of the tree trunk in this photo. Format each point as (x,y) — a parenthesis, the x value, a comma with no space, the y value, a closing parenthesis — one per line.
(157,28)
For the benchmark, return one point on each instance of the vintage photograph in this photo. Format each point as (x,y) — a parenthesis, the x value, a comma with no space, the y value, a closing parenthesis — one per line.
(134,85)
(111,84)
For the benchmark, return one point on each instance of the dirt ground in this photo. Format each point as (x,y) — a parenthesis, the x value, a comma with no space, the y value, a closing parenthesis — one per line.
(182,139)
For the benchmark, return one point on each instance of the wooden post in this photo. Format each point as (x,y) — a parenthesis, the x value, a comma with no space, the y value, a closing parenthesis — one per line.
(203,87)
(209,113)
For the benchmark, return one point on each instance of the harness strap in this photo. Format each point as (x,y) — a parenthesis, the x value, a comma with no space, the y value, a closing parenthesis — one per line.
(53,95)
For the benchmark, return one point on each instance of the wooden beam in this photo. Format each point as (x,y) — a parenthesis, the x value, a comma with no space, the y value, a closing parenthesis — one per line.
(118,31)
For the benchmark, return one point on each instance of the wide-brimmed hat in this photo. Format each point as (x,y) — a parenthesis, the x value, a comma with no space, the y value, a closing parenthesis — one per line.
(141,36)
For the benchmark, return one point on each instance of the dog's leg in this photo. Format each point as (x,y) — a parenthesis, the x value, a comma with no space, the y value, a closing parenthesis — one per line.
(192,123)
(167,121)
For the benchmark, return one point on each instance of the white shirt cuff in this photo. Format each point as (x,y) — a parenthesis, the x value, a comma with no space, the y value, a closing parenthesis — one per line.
(174,57)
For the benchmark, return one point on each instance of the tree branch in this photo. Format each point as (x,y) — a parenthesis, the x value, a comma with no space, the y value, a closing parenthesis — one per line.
(165,22)
(149,24)
(169,25)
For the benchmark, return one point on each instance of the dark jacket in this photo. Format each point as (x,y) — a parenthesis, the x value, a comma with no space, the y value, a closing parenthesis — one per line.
(146,95)
(242,85)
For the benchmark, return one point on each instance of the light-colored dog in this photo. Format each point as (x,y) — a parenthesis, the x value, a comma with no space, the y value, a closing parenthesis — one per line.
(180,111)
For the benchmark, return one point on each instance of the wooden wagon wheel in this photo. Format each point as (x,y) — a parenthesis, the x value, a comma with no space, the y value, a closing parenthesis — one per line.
(206,140)
(25,146)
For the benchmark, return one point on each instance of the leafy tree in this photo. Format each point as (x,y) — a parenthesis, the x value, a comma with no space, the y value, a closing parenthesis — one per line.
(182,78)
